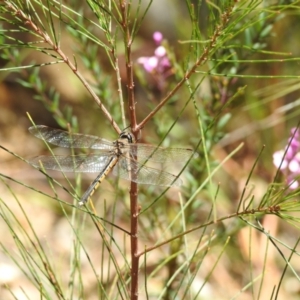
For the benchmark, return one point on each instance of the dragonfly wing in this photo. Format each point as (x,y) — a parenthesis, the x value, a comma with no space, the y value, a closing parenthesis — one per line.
(144,175)
(65,139)
(72,163)
(145,152)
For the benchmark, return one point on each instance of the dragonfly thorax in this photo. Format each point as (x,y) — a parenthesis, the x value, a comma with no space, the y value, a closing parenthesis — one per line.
(121,143)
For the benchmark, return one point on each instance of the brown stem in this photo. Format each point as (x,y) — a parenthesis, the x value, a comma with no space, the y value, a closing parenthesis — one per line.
(129,68)
(134,211)
(134,207)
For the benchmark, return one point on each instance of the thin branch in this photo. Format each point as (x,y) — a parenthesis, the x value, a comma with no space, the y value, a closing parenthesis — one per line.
(134,207)
(203,58)
(72,66)
(129,67)
(266,210)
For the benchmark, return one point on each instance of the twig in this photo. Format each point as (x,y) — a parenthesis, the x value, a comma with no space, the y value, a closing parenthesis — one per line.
(73,67)
(134,207)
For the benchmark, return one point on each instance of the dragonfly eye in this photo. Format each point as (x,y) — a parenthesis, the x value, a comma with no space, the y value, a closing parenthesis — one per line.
(127,136)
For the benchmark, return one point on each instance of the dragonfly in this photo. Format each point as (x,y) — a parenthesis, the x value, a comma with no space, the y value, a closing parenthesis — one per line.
(123,157)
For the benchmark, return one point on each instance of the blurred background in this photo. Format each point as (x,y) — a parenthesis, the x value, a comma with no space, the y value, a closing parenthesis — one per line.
(260,116)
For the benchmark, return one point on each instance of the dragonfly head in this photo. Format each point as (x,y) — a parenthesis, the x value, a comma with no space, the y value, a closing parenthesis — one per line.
(128,136)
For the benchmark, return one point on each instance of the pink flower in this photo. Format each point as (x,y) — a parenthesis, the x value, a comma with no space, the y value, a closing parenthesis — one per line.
(158,65)
(149,63)
(157,37)
(288,160)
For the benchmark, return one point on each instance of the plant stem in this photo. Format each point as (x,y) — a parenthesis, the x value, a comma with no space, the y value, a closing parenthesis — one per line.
(134,207)
(134,210)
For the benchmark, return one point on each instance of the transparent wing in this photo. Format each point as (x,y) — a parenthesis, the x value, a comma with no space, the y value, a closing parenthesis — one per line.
(143,152)
(144,175)
(146,152)
(65,139)
(96,163)
(72,163)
